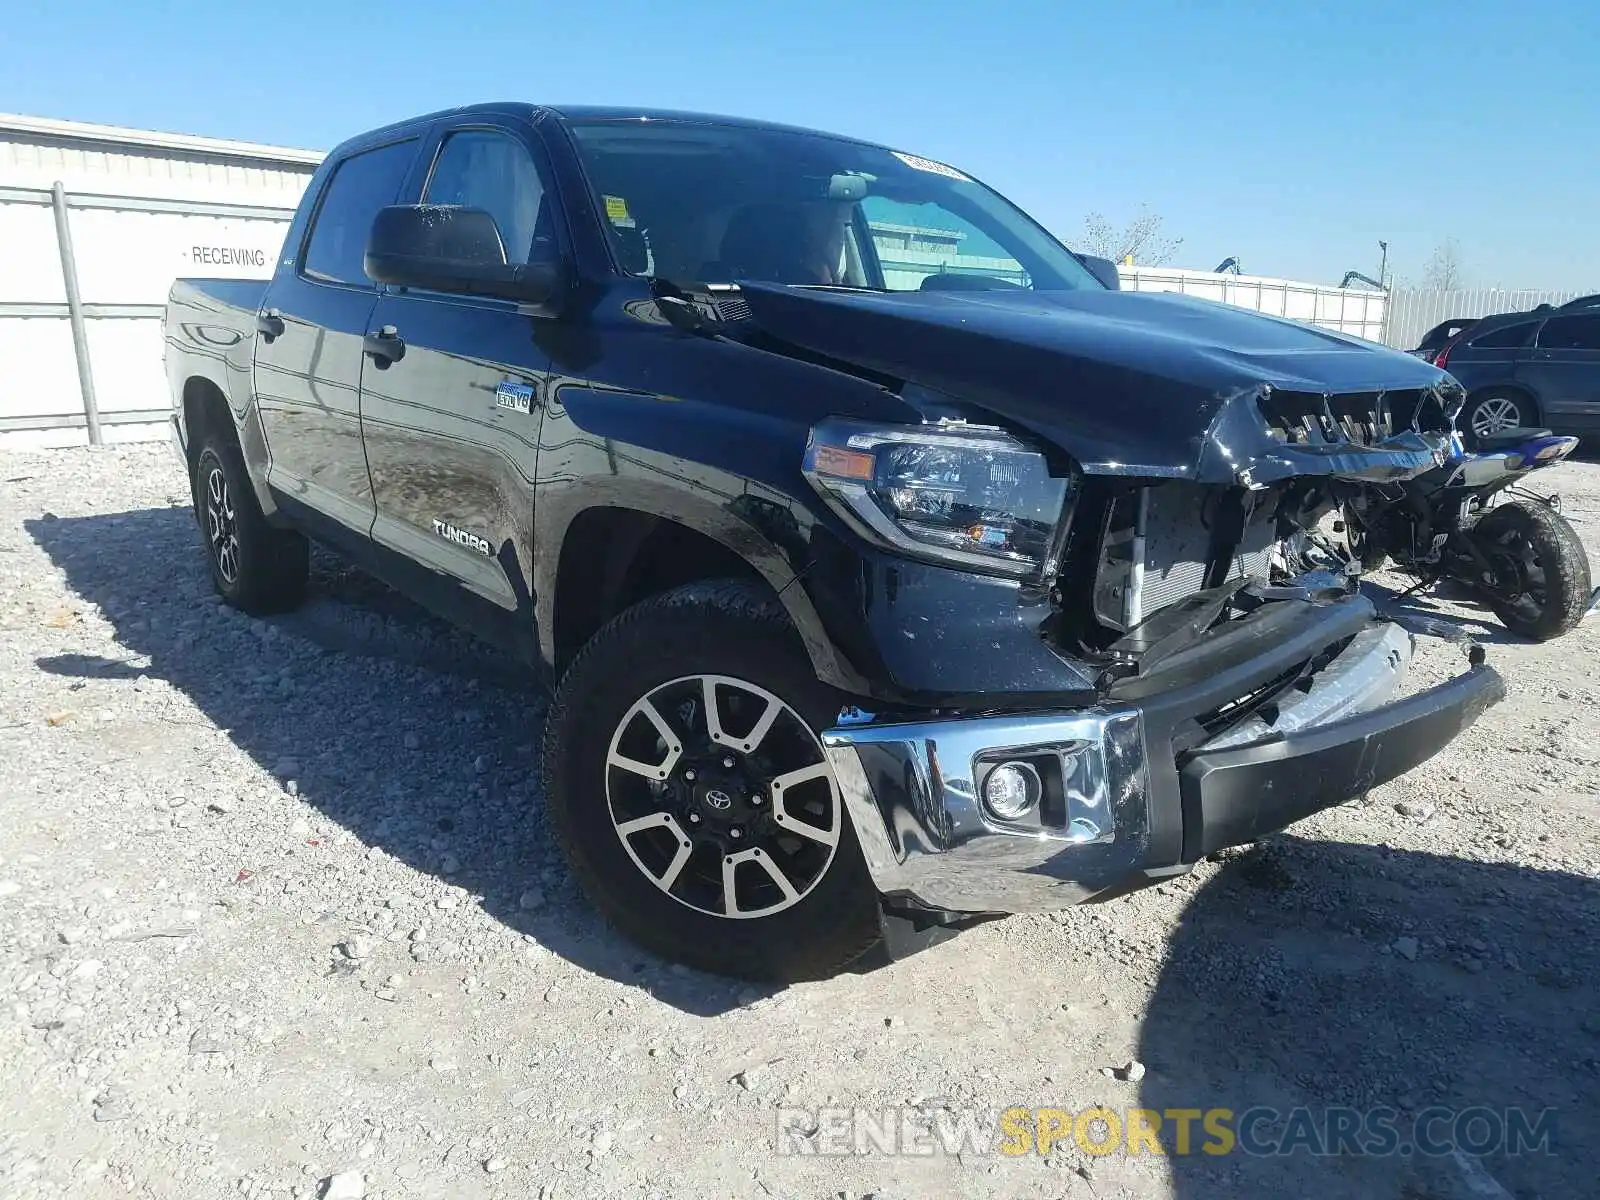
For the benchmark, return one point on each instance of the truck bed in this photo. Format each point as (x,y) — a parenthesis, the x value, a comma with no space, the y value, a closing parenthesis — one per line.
(207,294)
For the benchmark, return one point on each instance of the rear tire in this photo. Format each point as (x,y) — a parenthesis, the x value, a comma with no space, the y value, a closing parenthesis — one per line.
(1495,411)
(635,695)
(255,567)
(1537,543)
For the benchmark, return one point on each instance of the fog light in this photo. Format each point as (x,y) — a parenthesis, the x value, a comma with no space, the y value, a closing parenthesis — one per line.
(1011,790)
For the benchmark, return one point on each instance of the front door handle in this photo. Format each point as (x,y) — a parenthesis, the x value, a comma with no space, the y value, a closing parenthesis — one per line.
(384,346)
(269,324)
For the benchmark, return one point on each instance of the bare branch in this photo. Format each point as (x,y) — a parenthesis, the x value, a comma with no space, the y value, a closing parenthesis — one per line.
(1140,239)
(1444,272)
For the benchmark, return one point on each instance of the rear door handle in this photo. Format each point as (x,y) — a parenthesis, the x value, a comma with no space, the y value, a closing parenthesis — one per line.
(269,324)
(384,346)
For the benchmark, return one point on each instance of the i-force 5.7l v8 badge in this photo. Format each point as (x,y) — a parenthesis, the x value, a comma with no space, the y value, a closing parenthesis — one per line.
(518,397)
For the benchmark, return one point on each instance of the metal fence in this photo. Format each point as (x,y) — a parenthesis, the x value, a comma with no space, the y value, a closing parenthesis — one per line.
(82,300)
(1411,312)
(1357,311)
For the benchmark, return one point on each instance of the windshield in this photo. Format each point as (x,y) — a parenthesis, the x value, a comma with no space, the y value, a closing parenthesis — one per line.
(702,203)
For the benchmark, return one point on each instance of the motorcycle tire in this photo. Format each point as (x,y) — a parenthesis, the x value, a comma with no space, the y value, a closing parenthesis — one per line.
(1537,544)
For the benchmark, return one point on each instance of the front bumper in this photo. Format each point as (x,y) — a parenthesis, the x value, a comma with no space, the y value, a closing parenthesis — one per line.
(1146,785)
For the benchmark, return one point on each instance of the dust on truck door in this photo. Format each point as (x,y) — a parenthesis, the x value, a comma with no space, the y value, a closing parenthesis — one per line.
(450,415)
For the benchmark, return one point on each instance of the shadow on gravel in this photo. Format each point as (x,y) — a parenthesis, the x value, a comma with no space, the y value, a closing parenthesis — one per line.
(1421,612)
(412,735)
(1329,975)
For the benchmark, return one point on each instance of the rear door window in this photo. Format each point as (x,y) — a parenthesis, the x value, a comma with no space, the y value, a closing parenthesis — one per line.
(1570,333)
(1506,337)
(361,185)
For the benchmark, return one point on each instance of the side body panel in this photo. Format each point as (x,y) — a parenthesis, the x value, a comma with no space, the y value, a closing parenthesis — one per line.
(308,394)
(452,466)
(1563,370)
(209,333)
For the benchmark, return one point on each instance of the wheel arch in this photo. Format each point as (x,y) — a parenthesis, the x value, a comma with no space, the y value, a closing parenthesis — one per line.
(207,409)
(613,555)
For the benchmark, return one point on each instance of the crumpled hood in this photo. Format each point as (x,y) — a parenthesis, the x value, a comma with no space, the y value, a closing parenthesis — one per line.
(1128,383)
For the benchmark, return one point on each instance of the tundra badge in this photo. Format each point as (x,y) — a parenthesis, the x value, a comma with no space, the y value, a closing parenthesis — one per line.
(462,538)
(518,397)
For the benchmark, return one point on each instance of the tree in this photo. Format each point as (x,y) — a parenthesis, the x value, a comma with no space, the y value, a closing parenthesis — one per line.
(1140,239)
(1443,272)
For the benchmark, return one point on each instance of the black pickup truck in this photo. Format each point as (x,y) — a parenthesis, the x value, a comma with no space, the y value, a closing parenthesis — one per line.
(892,569)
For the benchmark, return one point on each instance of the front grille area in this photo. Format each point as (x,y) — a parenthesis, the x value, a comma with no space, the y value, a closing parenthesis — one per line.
(1179,518)
(1358,418)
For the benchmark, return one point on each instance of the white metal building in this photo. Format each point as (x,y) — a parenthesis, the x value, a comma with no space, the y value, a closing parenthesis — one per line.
(96,221)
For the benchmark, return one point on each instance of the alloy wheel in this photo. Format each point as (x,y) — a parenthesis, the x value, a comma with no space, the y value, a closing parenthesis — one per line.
(222,527)
(723,797)
(1496,415)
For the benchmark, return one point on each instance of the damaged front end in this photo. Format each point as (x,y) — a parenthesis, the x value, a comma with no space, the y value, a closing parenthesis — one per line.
(1155,561)
(1096,562)
(1234,691)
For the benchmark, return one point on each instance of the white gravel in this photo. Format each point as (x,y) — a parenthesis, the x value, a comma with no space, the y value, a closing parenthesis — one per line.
(279,917)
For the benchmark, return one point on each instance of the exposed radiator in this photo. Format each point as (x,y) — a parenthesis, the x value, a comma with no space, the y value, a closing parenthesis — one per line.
(1176,546)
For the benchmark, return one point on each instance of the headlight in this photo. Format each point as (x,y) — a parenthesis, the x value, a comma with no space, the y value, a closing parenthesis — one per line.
(954,493)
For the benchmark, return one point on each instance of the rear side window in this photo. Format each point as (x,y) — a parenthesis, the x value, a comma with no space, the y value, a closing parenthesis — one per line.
(480,168)
(361,185)
(1507,337)
(1570,333)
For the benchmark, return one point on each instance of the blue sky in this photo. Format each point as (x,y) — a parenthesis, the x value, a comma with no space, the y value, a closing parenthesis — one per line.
(1293,136)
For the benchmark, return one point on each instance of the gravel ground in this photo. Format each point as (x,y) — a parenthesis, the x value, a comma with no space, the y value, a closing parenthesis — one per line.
(279,916)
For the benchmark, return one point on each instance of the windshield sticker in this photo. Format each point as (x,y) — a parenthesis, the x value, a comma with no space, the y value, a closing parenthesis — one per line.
(928,165)
(617,211)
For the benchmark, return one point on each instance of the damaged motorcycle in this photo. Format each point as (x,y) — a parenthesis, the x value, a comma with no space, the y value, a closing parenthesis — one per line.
(1470,521)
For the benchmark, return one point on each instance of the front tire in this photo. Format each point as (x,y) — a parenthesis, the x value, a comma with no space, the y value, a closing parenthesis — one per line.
(687,785)
(1534,549)
(254,566)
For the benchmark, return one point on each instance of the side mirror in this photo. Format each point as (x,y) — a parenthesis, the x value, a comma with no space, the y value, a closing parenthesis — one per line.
(447,248)
(1102,269)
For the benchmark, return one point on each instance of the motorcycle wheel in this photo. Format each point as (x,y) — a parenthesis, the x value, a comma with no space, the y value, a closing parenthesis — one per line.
(1543,565)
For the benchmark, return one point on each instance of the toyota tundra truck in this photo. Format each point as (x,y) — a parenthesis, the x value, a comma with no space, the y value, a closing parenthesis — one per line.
(891,568)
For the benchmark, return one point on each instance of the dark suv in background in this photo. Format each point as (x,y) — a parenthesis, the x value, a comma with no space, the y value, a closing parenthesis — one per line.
(1531,368)
(1441,335)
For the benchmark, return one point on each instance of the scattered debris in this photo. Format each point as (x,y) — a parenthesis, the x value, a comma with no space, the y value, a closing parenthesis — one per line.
(357,947)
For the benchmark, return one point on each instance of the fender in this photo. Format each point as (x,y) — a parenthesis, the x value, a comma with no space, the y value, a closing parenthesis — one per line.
(210,336)
(767,529)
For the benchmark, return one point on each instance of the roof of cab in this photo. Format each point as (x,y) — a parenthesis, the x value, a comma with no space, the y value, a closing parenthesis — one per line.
(575,112)
(596,112)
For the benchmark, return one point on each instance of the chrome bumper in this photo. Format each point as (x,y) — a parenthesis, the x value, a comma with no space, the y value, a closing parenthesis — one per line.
(914,791)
